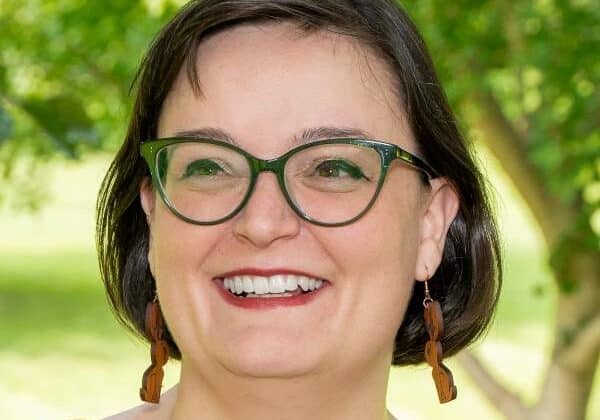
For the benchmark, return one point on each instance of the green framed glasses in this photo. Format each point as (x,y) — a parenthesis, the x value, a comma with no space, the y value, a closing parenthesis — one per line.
(330,182)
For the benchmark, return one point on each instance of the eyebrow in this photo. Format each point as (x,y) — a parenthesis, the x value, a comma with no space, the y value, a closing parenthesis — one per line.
(306,136)
(207,133)
(320,133)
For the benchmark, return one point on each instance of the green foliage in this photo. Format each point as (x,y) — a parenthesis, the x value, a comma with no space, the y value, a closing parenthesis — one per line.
(65,71)
(68,126)
(539,61)
(6,125)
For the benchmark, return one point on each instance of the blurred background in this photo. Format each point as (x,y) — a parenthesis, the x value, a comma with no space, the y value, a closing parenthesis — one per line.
(523,78)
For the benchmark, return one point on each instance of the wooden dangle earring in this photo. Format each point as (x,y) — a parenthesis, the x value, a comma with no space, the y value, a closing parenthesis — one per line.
(434,323)
(159,353)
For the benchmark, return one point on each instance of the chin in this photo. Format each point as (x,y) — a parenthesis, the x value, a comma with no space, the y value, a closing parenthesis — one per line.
(269,369)
(272,359)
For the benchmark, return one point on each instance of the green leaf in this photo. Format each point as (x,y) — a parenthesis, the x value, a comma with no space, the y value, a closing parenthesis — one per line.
(6,125)
(64,120)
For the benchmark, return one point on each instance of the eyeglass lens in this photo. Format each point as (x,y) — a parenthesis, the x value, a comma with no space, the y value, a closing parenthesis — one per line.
(329,183)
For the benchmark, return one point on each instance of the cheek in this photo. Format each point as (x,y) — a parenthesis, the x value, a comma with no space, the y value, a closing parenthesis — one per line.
(178,254)
(375,258)
(384,266)
(396,229)
(383,244)
(176,245)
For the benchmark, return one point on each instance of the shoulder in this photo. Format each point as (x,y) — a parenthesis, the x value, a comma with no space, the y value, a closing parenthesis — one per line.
(147,411)
(141,412)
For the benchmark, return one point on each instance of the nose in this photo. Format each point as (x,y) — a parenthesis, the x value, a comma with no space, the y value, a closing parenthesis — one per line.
(267,216)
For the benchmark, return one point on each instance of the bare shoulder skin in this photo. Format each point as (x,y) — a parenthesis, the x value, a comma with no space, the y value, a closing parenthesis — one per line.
(149,411)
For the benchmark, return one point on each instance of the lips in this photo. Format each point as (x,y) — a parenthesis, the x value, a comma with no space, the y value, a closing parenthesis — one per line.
(257,288)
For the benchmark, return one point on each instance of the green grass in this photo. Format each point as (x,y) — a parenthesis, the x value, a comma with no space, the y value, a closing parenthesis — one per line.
(63,356)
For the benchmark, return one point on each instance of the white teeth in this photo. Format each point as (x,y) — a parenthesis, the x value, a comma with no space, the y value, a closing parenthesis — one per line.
(303,283)
(261,285)
(248,285)
(291,283)
(279,283)
(239,284)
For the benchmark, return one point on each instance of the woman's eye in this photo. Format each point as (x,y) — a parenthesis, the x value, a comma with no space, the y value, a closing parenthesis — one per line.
(204,167)
(339,169)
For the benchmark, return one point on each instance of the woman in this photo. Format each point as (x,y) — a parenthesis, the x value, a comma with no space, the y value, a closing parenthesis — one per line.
(292,212)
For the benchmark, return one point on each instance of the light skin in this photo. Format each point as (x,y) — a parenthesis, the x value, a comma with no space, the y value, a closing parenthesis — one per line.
(329,358)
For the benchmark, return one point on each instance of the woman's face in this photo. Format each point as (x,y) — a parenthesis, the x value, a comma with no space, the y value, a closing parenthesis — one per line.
(264,86)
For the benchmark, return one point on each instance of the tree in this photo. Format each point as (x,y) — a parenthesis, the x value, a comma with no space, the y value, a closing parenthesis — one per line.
(524,75)
(65,69)
(528,84)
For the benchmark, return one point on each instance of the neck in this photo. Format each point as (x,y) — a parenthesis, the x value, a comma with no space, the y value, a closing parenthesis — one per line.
(359,394)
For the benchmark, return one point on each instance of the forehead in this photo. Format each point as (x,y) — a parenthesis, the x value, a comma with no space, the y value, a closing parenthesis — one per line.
(265,84)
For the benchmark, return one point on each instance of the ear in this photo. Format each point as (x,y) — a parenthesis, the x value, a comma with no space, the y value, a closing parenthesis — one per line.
(147,198)
(441,207)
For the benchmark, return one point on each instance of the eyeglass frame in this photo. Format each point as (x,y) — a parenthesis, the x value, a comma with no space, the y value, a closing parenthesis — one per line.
(388,152)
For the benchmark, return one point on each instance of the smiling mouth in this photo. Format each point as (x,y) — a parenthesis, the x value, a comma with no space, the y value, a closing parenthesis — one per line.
(276,286)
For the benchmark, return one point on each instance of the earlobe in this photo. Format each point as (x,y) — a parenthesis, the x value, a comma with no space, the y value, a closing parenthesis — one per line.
(442,207)
(147,197)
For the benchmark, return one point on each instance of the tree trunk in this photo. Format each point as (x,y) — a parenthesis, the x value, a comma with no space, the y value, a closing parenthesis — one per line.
(570,373)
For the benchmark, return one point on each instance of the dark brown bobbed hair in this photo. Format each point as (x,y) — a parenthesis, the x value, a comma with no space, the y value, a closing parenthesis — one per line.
(468,280)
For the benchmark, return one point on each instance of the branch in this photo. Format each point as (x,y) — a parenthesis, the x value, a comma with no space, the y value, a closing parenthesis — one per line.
(508,146)
(15,103)
(509,404)
(584,348)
